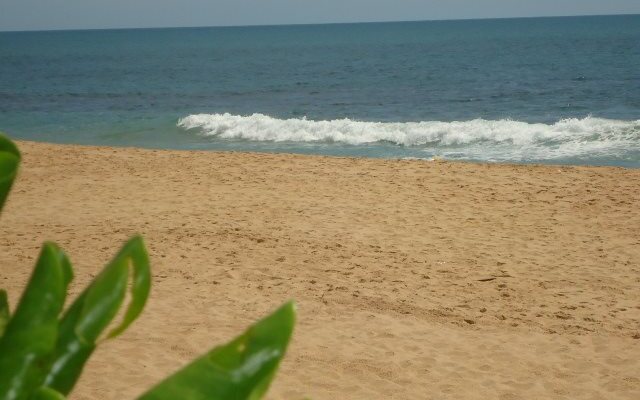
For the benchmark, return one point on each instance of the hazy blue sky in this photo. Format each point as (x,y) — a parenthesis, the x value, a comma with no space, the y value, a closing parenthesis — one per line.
(71,14)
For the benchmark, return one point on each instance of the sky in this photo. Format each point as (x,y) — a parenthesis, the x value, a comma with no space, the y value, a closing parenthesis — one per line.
(97,14)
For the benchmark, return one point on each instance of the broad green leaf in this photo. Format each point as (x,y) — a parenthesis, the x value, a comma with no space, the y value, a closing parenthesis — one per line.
(6,145)
(91,313)
(239,370)
(31,333)
(46,393)
(4,311)
(9,160)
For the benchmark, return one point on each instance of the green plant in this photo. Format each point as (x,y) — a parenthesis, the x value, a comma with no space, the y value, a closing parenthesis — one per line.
(43,347)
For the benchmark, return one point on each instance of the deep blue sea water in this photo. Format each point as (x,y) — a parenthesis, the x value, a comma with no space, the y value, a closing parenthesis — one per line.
(550,90)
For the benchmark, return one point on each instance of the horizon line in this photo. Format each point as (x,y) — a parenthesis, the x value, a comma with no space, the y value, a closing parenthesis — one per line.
(312,23)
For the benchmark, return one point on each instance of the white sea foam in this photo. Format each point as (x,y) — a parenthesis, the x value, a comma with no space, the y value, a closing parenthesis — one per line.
(483,139)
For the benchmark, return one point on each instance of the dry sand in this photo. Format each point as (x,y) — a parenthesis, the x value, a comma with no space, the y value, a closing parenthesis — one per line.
(415,280)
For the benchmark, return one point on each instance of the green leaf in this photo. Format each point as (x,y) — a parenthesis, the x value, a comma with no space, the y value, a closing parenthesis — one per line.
(6,145)
(4,311)
(93,311)
(141,285)
(31,333)
(239,370)
(46,393)
(9,161)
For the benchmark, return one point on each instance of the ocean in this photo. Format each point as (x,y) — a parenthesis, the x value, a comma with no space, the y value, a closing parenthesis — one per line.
(560,90)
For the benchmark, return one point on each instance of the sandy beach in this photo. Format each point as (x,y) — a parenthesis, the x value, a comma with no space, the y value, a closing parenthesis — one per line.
(414,279)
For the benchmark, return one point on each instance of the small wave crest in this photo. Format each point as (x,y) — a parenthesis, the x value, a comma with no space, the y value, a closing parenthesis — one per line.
(478,138)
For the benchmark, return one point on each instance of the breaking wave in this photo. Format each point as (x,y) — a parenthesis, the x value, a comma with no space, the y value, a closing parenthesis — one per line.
(479,138)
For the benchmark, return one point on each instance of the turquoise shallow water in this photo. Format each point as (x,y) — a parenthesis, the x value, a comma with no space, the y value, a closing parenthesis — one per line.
(550,90)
